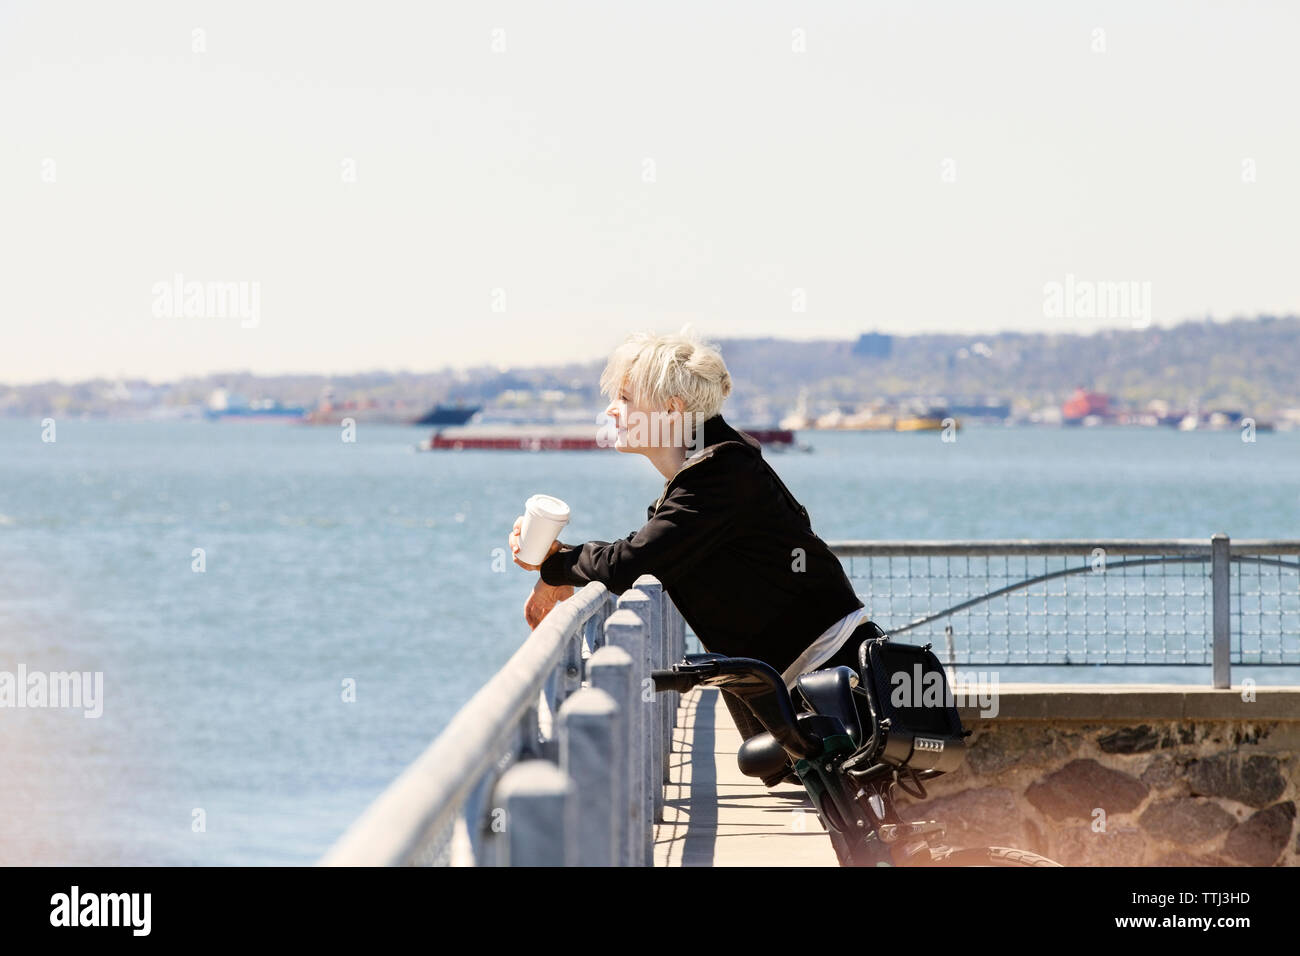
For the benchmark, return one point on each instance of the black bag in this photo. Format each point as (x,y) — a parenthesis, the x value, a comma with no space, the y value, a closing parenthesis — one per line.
(910,718)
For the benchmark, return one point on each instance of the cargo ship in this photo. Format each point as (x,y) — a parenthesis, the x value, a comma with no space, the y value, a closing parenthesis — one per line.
(440,414)
(876,418)
(1086,408)
(929,421)
(558,438)
(224,406)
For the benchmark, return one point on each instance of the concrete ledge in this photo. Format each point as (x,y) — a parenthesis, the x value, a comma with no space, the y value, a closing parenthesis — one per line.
(1089,775)
(1129,702)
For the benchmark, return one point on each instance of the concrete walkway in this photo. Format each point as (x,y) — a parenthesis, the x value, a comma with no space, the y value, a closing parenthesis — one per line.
(716,816)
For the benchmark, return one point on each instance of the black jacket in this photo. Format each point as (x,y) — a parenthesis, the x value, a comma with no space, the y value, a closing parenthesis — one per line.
(735,552)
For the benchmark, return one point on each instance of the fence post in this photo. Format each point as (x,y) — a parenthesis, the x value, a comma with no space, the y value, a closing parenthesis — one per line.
(626,630)
(640,604)
(1221,579)
(676,649)
(588,730)
(660,659)
(540,815)
(572,664)
(594,629)
(610,670)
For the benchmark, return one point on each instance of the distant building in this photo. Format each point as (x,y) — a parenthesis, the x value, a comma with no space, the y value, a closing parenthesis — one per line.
(874,345)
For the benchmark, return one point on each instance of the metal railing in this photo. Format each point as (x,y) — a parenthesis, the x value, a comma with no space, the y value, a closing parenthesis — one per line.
(1152,602)
(566,731)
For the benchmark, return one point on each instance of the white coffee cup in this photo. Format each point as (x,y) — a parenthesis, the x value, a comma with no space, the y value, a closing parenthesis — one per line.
(543,518)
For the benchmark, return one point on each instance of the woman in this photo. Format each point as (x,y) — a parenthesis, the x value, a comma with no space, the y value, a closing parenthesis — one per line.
(733,548)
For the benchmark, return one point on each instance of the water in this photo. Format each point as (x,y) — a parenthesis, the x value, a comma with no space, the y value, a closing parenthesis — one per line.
(225,737)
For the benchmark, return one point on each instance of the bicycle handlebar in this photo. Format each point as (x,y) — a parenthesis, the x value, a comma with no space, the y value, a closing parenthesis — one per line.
(673,680)
(755,683)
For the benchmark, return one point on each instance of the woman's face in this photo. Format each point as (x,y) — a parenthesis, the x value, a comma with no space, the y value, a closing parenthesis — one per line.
(641,429)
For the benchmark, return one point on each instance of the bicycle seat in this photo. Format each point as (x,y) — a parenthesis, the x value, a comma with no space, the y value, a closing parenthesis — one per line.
(761,756)
(830,692)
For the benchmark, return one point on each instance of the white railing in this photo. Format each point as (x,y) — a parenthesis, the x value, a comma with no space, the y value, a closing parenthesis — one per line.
(569,730)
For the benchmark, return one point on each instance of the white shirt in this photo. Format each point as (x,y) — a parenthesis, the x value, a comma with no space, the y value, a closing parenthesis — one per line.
(825,646)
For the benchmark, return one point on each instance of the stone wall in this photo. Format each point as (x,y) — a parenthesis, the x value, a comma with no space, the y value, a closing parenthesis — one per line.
(1159,776)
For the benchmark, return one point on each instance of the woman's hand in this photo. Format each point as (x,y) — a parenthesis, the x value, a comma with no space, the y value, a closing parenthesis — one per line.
(514,547)
(543,599)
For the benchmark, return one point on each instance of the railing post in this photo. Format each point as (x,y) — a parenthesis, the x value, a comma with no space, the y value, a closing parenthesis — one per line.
(668,701)
(588,729)
(540,817)
(610,670)
(676,649)
(660,659)
(626,630)
(594,629)
(572,664)
(639,603)
(1221,581)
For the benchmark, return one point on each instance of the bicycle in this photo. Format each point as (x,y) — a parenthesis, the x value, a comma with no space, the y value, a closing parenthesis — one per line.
(853,742)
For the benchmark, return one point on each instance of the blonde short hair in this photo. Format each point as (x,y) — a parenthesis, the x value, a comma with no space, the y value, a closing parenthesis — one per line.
(658,367)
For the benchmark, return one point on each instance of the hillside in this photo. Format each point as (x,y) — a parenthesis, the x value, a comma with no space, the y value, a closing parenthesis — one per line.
(1248,364)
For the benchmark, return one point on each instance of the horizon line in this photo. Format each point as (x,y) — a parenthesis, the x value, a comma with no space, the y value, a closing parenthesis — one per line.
(499,367)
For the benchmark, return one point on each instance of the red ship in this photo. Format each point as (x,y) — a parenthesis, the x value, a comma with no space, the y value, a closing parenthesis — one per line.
(556,438)
(1084,403)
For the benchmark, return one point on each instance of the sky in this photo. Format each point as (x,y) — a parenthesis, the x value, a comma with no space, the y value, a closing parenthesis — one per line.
(421,185)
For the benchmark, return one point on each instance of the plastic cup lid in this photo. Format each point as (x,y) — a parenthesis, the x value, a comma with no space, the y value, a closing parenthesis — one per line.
(548,506)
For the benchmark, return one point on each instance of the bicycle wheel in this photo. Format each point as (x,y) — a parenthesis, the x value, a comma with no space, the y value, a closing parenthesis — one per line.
(856,852)
(843,852)
(988,856)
